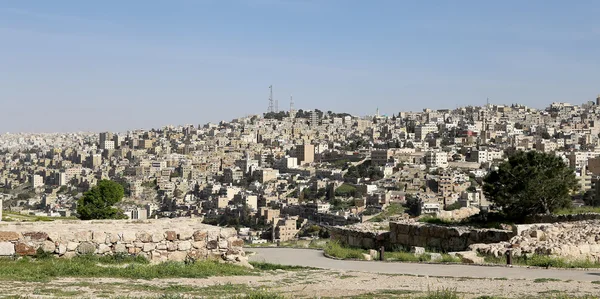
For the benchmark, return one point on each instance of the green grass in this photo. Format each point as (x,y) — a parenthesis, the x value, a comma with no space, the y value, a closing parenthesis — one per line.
(268,266)
(545,262)
(12,216)
(578,210)
(334,249)
(541,280)
(438,221)
(46,269)
(391,210)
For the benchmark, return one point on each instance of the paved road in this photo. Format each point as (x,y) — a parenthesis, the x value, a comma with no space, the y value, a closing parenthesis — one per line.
(315,258)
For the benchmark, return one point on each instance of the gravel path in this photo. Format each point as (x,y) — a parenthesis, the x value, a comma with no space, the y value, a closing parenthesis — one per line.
(315,258)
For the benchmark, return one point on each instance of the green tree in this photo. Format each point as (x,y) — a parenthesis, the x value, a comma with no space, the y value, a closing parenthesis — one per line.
(530,183)
(99,201)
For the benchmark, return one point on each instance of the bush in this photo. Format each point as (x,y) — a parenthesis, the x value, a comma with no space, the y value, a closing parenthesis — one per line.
(334,249)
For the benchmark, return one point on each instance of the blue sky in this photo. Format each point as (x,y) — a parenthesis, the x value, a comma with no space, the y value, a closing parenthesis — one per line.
(119,65)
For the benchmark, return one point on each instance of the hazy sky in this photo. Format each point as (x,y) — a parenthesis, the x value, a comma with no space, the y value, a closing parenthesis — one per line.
(118,65)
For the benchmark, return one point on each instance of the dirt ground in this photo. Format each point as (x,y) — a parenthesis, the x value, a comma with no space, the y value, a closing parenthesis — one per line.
(296,284)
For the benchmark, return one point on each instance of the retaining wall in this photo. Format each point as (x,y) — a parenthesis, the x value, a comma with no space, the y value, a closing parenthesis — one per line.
(158,240)
(406,235)
(444,238)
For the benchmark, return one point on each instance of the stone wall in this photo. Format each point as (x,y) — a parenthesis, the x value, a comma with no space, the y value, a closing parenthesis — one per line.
(408,234)
(361,235)
(444,238)
(158,240)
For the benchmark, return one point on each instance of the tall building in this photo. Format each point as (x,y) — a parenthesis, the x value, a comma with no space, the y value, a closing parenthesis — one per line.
(37,181)
(106,141)
(305,153)
(422,130)
(314,118)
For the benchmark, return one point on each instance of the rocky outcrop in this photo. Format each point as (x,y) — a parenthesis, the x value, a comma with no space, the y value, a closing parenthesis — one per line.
(576,240)
(157,240)
(551,218)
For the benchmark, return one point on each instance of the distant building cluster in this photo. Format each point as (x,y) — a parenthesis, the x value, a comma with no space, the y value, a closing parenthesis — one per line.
(277,172)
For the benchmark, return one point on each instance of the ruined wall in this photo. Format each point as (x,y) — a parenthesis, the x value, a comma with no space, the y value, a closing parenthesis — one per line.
(444,238)
(158,240)
(350,236)
(408,234)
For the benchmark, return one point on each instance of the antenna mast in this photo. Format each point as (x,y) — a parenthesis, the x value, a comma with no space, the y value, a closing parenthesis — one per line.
(270,99)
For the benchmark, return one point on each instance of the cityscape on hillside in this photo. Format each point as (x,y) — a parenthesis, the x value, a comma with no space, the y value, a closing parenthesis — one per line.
(270,175)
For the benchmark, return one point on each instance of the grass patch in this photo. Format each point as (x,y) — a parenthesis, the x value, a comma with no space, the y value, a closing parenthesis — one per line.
(441,294)
(578,210)
(541,280)
(267,266)
(544,261)
(46,269)
(334,249)
(391,210)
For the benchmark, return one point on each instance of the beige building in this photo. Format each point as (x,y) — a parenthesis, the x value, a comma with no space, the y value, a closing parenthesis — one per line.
(305,153)
(285,228)
(37,181)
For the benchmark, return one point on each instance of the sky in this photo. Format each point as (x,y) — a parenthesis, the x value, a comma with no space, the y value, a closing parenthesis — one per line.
(71,65)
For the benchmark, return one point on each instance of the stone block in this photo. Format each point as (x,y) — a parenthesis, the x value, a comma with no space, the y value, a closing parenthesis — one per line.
(227,233)
(212,235)
(200,236)
(469,257)
(86,248)
(72,246)
(120,248)
(49,246)
(417,250)
(214,244)
(185,245)
(35,236)
(112,238)
(54,236)
(83,236)
(185,235)
(171,235)
(144,237)
(134,250)
(61,248)
(128,236)
(161,246)
(23,249)
(148,247)
(138,244)
(198,254)
(158,237)
(99,237)
(436,257)
(223,244)
(199,244)
(103,248)
(177,256)
(171,246)
(9,236)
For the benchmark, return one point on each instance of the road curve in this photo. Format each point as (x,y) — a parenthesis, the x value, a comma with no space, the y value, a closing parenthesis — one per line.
(315,258)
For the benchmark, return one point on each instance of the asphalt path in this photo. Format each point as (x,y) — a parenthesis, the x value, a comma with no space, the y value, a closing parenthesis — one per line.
(315,258)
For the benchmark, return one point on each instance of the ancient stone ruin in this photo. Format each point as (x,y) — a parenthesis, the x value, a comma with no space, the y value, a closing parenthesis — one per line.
(157,240)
